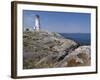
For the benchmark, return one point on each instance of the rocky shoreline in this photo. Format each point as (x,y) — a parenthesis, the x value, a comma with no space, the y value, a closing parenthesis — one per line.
(45,49)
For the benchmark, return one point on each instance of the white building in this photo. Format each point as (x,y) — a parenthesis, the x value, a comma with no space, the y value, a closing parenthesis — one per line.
(37,23)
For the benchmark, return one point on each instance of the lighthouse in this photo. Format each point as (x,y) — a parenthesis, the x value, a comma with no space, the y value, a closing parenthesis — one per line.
(37,23)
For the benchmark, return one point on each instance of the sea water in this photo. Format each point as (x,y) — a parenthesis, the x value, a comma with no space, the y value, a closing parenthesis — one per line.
(81,38)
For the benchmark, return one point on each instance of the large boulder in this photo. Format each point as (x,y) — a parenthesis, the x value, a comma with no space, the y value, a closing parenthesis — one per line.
(81,56)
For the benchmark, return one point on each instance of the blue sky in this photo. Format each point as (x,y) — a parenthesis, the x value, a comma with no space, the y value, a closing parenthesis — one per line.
(62,22)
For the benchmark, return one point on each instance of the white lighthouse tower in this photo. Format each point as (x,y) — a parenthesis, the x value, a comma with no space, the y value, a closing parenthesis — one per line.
(37,23)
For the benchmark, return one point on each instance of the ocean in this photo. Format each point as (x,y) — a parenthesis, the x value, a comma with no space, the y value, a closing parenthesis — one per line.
(81,38)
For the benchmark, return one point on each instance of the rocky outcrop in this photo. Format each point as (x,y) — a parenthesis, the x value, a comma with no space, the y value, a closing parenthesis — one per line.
(81,56)
(45,49)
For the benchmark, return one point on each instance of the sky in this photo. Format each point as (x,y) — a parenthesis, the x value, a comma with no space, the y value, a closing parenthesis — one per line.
(62,22)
